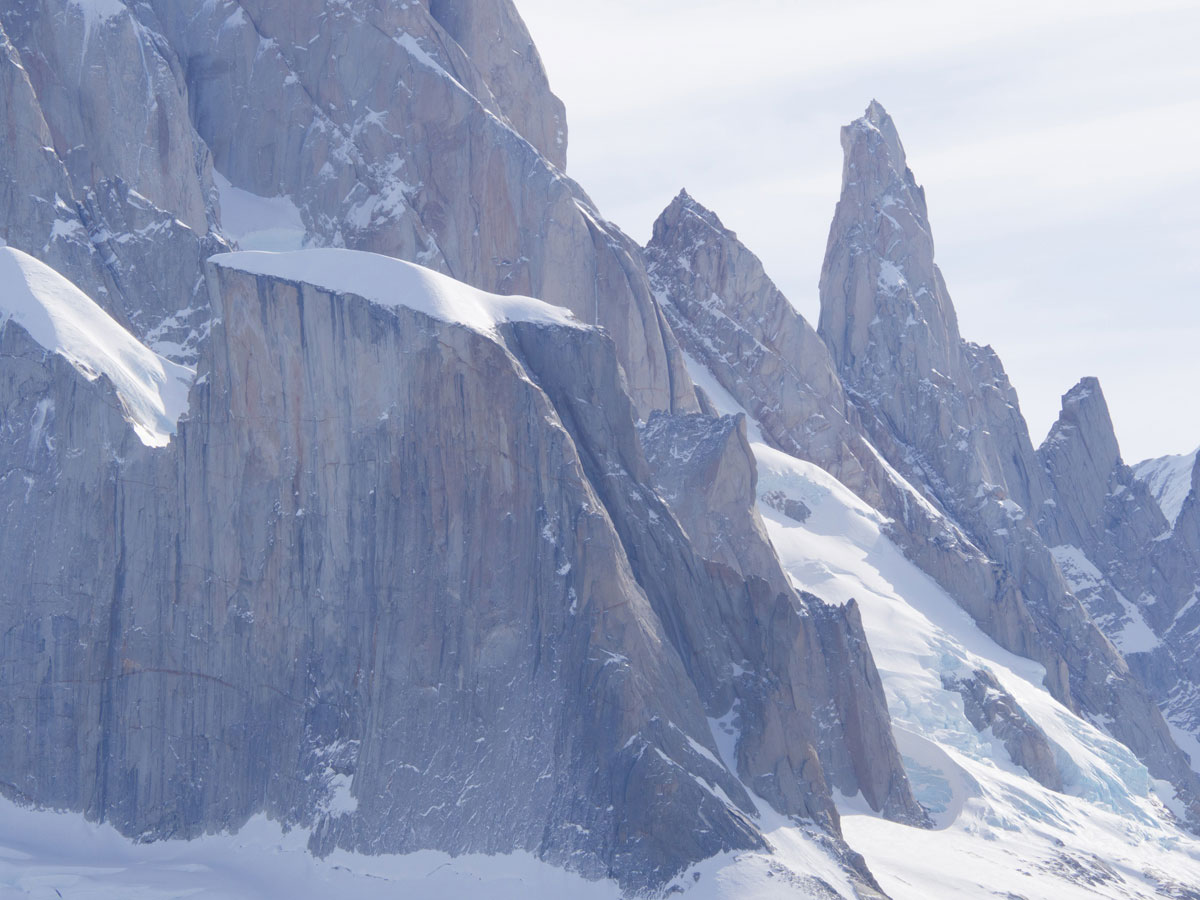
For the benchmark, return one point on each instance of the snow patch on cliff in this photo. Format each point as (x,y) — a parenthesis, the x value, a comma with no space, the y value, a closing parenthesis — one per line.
(258,223)
(393,282)
(64,320)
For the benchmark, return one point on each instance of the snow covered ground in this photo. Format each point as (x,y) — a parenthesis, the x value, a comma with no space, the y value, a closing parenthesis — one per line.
(48,855)
(998,830)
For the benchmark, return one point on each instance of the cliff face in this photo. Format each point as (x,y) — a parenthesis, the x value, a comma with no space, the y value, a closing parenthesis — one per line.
(399,579)
(120,183)
(1136,569)
(494,37)
(425,133)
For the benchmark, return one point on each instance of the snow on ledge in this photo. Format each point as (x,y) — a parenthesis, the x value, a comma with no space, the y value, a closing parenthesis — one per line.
(64,320)
(394,283)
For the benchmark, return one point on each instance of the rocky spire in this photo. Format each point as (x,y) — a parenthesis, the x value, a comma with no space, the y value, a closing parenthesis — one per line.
(1142,570)
(729,315)
(1081,457)
(891,326)
(944,413)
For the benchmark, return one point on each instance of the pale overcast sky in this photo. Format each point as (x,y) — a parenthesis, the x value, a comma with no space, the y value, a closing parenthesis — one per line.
(1058,143)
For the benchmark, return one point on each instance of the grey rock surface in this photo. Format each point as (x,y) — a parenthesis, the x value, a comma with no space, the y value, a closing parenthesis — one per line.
(134,217)
(426,134)
(494,37)
(374,120)
(946,417)
(403,583)
(731,318)
(1137,570)
(706,472)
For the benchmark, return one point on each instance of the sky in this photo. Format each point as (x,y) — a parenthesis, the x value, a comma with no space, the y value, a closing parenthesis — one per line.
(1058,143)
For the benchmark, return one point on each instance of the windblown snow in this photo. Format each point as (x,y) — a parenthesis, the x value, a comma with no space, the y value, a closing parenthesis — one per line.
(64,320)
(393,282)
(1170,481)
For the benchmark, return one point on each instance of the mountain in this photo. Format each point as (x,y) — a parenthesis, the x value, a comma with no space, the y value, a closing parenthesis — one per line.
(947,419)
(461,545)
(1169,479)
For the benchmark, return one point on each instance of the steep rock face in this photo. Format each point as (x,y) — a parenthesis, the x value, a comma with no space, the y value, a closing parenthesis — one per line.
(37,210)
(386,134)
(751,644)
(705,470)
(1100,508)
(1137,570)
(493,35)
(729,315)
(115,105)
(313,564)
(375,118)
(885,308)
(732,319)
(944,414)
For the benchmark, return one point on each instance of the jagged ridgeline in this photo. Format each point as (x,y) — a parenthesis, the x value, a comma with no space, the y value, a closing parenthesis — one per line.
(360,536)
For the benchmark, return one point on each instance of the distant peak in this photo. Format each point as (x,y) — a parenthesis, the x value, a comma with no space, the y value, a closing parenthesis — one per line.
(876,121)
(1085,418)
(1087,388)
(681,209)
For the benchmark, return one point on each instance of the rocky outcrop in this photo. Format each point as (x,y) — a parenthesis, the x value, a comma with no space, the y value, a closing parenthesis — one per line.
(138,201)
(729,315)
(946,417)
(989,706)
(1137,570)
(494,37)
(731,318)
(704,469)
(1099,508)
(312,562)
(38,212)
(429,134)
(389,137)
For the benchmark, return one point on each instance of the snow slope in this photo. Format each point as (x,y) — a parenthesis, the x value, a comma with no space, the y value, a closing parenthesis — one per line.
(998,831)
(48,855)
(1169,479)
(393,282)
(258,223)
(64,320)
